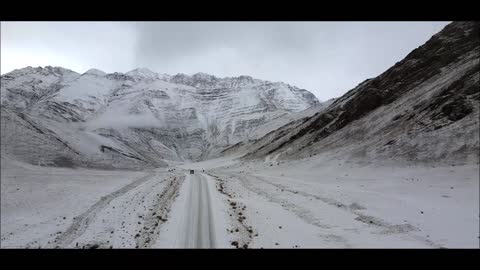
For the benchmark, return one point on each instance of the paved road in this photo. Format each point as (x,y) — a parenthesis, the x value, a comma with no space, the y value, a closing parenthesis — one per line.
(199,224)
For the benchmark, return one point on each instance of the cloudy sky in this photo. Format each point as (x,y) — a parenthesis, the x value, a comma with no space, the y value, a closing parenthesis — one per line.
(326,58)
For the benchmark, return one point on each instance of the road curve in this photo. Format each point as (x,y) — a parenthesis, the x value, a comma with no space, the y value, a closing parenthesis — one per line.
(199,230)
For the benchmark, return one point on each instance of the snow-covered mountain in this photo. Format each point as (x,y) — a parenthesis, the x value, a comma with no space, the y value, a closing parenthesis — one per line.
(141,116)
(424,109)
(393,163)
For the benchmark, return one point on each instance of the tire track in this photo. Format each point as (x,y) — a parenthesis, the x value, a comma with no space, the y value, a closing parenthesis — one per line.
(302,213)
(159,213)
(297,210)
(82,221)
(241,230)
(307,216)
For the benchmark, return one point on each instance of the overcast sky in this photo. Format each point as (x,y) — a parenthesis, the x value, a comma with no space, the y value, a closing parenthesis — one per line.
(326,58)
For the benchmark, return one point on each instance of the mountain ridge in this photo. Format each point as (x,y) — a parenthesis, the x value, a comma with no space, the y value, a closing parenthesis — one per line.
(161,117)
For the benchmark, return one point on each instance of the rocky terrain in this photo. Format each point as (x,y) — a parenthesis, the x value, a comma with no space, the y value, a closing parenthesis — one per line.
(424,109)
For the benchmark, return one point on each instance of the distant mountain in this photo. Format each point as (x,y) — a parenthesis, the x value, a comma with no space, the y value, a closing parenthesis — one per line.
(424,109)
(140,116)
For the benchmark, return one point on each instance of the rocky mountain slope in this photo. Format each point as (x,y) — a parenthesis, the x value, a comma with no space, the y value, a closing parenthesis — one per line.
(138,118)
(424,109)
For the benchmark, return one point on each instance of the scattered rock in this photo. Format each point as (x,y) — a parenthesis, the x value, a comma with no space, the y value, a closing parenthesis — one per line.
(356,206)
(94,246)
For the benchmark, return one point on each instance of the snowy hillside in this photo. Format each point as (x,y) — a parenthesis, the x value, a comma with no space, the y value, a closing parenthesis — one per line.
(140,118)
(424,109)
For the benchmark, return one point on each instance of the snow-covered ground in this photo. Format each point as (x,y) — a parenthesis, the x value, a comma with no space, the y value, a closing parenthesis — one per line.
(320,202)
(311,203)
(49,207)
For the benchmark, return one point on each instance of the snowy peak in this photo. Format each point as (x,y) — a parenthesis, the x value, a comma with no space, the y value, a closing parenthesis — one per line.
(95,72)
(206,81)
(142,73)
(22,88)
(203,76)
(245,79)
(58,70)
(42,71)
(197,80)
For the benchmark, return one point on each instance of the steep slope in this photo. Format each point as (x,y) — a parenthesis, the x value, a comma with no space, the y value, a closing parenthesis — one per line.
(423,109)
(22,88)
(141,115)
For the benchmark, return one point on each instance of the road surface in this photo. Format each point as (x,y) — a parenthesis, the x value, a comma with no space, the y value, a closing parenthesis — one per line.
(199,229)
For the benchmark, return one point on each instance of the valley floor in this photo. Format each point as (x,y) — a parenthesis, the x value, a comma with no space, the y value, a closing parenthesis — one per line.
(311,203)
